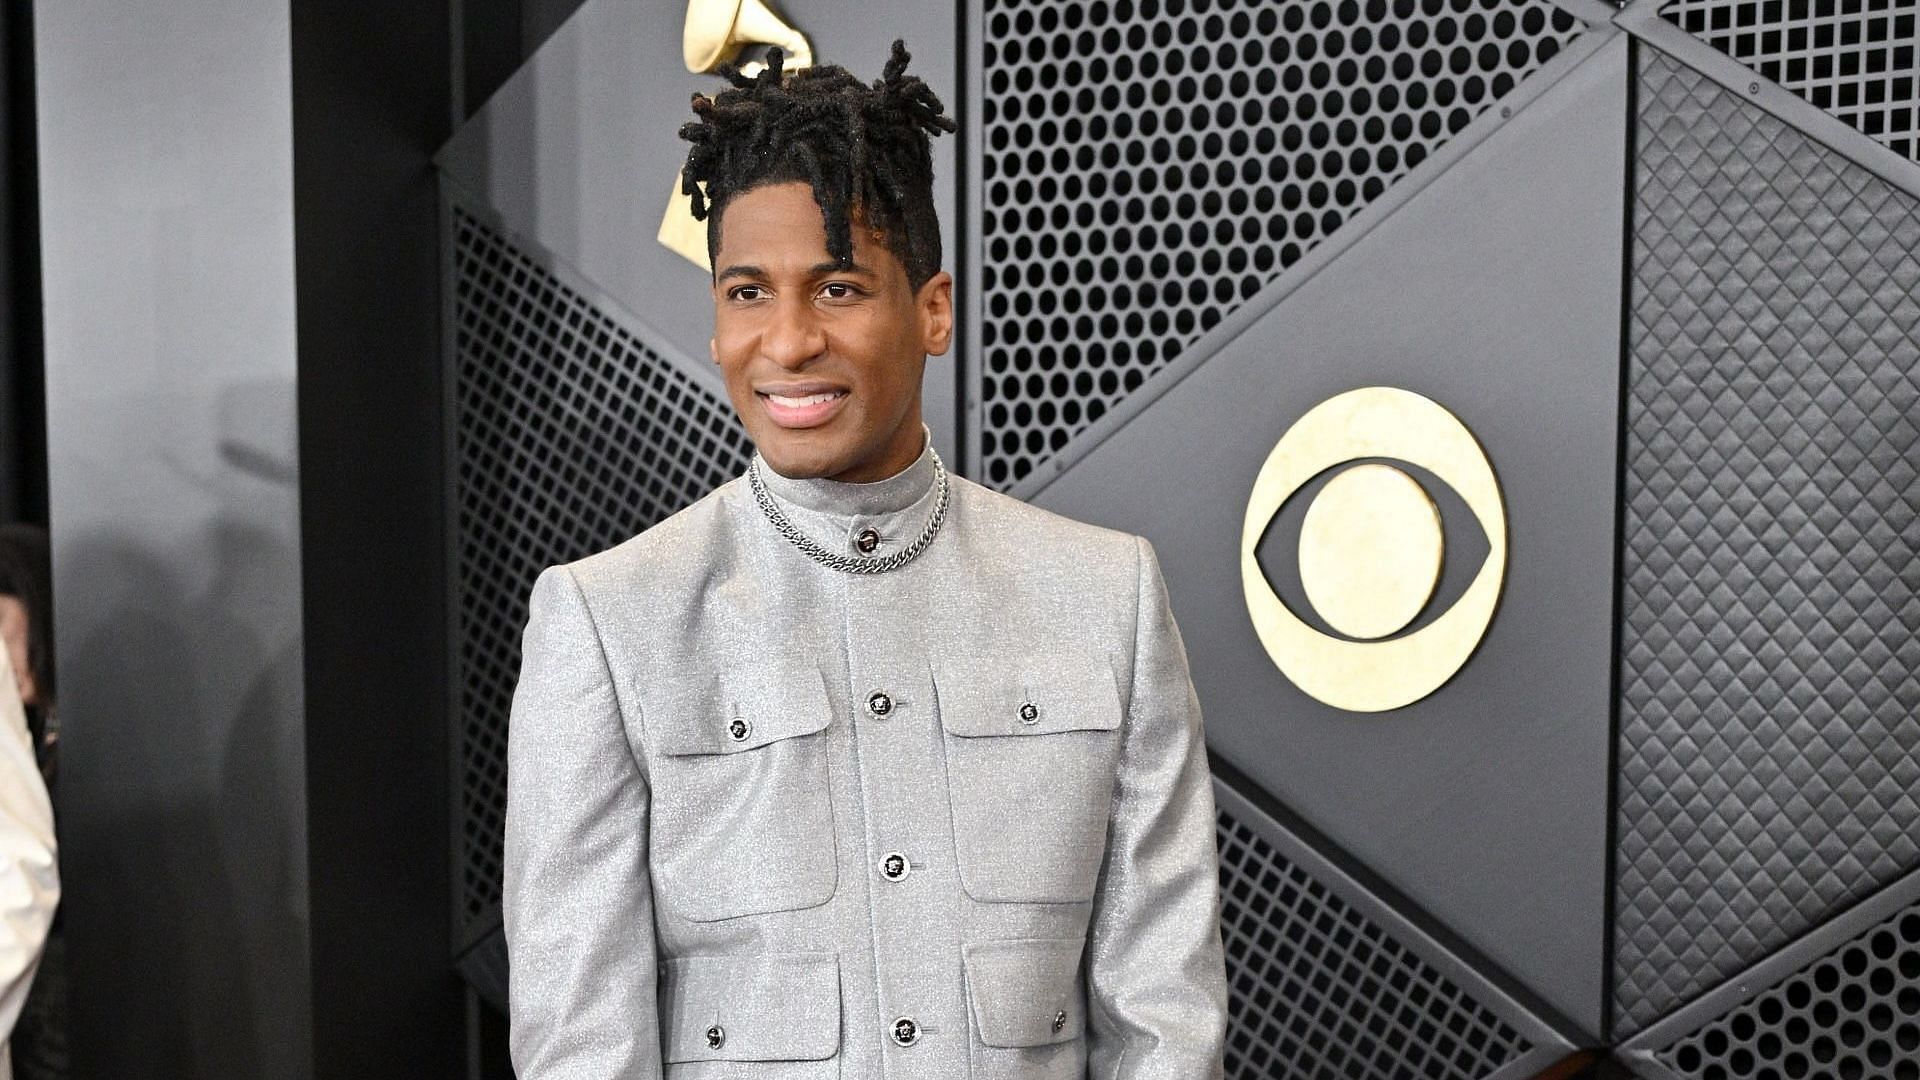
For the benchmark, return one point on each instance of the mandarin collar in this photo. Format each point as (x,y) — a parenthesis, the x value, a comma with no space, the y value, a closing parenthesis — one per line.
(839,498)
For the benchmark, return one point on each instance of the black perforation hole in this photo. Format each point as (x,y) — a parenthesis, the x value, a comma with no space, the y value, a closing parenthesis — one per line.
(1854,1013)
(1307,111)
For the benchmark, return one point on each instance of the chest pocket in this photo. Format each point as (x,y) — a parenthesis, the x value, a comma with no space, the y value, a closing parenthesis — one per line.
(741,821)
(1031,751)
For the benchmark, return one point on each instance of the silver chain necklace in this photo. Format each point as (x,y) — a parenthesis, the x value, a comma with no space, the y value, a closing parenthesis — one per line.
(849,563)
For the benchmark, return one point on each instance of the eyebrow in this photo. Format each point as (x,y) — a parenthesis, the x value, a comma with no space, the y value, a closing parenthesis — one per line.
(740,271)
(748,271)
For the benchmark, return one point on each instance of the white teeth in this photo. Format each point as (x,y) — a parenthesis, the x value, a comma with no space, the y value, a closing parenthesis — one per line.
(803,402)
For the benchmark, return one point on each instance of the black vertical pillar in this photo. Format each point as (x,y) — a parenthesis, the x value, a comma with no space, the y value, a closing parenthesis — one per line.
(23,435)
(371,102)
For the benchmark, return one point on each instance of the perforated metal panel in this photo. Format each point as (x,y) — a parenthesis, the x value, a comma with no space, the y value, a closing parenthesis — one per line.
(1853,1013)
(571,436)
(1770,717)
(1317,989)
(1853,58)
(1148,165)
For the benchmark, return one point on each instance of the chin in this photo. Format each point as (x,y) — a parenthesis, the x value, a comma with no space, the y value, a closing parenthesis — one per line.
(792,454)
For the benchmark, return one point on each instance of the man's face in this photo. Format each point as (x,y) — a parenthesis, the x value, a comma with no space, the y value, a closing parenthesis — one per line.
(823,365)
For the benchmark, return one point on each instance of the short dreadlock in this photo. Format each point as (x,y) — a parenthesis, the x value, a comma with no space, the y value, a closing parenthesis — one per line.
(859,147)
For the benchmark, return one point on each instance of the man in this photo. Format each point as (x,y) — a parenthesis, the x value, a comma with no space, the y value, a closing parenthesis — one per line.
(854,768)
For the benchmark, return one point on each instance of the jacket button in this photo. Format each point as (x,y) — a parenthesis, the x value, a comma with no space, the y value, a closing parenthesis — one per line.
(894,866)
(1059,1021)
(738,729)
(866,541)
(1029,713)
(879,704)
(905,1031)
(716,1037)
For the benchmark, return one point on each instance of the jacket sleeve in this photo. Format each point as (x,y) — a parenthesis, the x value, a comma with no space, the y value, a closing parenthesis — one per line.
(577,904)
(29,876)
(1156,979)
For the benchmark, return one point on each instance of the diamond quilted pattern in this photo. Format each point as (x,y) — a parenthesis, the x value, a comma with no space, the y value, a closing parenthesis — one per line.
(1770,747)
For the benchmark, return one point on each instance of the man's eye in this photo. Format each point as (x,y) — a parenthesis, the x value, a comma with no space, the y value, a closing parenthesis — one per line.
(845,290)
(745,292)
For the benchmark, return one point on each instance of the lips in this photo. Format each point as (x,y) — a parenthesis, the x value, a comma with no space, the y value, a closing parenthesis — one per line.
(801,407)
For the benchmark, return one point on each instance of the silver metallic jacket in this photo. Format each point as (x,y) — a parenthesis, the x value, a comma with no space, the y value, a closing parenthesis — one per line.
(768,819)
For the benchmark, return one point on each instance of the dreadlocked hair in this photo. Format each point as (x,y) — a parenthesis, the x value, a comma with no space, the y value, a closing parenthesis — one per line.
(861,148)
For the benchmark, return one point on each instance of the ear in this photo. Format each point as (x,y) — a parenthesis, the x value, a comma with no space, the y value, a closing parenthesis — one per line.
(935,305)
(713,352)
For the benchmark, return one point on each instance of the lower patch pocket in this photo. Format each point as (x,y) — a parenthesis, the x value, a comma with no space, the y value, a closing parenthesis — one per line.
(1028,1008)
(763,1008)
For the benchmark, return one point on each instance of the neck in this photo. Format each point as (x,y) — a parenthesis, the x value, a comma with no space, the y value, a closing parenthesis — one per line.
(883,496)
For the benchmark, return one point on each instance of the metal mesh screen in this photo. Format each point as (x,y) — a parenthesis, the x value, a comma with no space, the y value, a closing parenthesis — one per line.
(1853,58)
(1855,1013)
(1148,165)
(571,436)
(1316,989)
(1770,683)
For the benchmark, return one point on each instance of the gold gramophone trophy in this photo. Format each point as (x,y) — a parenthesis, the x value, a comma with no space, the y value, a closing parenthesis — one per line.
(715,31)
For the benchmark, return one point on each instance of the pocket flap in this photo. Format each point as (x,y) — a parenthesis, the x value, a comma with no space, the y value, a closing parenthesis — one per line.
(695,713)
(770,1007)
(1036,695)
(1025,992)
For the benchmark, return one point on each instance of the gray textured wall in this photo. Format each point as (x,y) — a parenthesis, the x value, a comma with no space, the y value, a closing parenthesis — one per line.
(167,181)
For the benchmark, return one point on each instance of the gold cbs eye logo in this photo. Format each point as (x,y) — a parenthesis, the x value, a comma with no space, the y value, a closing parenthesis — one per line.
(1371,549)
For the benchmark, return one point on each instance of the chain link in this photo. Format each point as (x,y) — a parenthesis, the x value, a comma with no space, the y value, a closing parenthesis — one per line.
(848,563)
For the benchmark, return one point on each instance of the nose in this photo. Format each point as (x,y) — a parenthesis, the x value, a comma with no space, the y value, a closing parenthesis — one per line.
(793,334)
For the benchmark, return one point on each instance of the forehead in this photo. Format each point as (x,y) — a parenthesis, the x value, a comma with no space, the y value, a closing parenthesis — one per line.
(782,221)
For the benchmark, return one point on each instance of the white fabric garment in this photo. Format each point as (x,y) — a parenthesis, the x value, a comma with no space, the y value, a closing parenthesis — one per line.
(29,877)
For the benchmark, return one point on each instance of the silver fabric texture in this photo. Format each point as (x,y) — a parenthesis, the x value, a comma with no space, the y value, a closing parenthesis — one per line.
(700,801)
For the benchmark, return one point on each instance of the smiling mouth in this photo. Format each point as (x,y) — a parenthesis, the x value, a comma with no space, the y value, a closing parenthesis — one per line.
(801,410)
